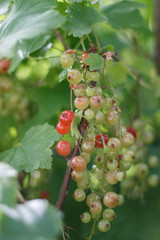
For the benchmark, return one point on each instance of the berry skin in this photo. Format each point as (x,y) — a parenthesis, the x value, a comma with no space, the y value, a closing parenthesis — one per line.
(79,92)
(120,176)
(92,76)
(108,102)
(99,117)
(4,65)
(127,139)
(84,184)
(74,76)
(114,144)
(77,176)
(78,164)
(153,161)
(92,197)
(95,207)
(153,180)
(85,217)
(88,146)
(66,117)
(112,164)
(44,194)
(66,60)
(89,114)
(109,214)
(99,142)
(129,156)
(79,195)
(112,117)
(111,177)
(63,148)
(132,131)
(99,161)
(62,129)
(111,200)
(81,102)
(142,169)
(121,199)
(96,102)
(103,225)
(86,156)
(90,91)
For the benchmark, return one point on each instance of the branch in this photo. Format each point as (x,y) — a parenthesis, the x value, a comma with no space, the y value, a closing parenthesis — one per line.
(67,177)
(61,39)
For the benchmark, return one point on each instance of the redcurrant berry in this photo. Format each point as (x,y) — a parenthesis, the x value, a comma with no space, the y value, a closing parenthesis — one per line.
(66,117)
(63,148)
(111,200)
(78,163)
(62,129)
(99,141)
(4,65)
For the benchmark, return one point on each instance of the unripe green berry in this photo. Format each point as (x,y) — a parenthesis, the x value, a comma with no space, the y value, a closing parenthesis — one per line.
(99,117)
(153,180)
(142,169)
(103,225)
(66,60)
(114,144)
(79,195)
(89,114)
(74,76)
(92,197)
(111,177)
(92,76)
(153,161)
(121,199)
(127,139)
(109,214)
(90,91)
(112,117)
(129,156)
(85,217)
(112,164)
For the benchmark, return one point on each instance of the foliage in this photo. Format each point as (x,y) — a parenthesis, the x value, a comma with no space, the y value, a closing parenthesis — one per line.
(33,35)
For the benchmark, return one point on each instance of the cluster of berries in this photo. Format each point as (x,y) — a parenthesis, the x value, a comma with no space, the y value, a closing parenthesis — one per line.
(106,151)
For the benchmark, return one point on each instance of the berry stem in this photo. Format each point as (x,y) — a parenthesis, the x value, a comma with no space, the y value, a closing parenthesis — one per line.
(92,231)
(60,37)
(71,99)
(66,181)
(98,44)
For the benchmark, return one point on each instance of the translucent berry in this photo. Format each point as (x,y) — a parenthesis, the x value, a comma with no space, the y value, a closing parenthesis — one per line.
(78,164)
(84,184)
(66,117)
(63,148)
(109,214)
(92,76)
(85,217)
(4,65)
(88,146)
(112,164)
(108,102)
(90,91)
(129,156)
(142,169)
(99,141)
(86,156)
(74,76)
(92,197)
(127,139)
(111,177)
(79,195)
(104,225)
(138,124)
(153,180)
(124,166)
(95,207)
(111,200)
(98,91)
(112,117)
(114,144)
(96,102)
(120,176)
(89,114)
(66,60)
(79,92)
(153,161)
(77,176)
(99,161)
(148,136)
(121,199)
(99,117)
(62,129)
(81,102)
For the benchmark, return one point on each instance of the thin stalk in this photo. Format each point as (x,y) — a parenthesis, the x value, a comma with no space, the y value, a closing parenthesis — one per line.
(42,58)
(97,41)
(71,99)
(83,46)
(92,231)
(89,39)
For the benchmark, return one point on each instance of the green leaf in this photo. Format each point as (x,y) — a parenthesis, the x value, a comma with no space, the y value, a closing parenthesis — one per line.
(95,61)
(124,14)
(35,219)
(8,184)
(63,75)
(74,129)
(27,21)
(34,150)
(80,19)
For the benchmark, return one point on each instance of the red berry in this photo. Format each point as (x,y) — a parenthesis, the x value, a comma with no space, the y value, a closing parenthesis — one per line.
(66,117)
(99,142)
(62,129)
(132,131)
(4,65)
(63,148)
(44,194)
